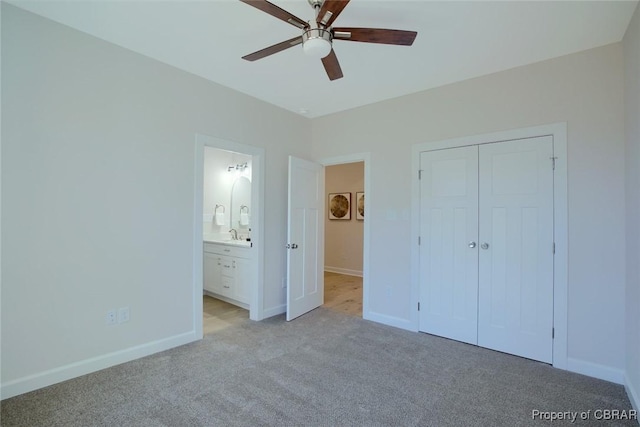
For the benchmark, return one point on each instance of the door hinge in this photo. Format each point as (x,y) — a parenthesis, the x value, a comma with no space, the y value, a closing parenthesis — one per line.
(553,163)
(418,306)
(554,247)
(419,240)
(419,174)
(553,333)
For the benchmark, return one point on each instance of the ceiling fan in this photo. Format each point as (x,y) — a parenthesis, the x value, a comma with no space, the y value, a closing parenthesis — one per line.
(317,38)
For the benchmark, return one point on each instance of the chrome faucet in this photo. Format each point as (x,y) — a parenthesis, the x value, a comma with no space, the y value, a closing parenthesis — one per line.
(234,234)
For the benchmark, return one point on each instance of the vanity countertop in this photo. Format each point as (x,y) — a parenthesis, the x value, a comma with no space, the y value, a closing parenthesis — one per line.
(241,243)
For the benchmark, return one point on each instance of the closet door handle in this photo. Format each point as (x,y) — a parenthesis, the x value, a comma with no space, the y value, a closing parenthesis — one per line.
(484,246)
(472,245)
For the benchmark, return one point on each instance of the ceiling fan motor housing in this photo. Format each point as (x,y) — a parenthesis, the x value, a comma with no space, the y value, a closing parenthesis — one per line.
(316,42)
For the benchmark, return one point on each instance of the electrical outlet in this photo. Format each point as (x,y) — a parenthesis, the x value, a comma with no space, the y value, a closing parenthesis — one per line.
(110,318)
(123,315)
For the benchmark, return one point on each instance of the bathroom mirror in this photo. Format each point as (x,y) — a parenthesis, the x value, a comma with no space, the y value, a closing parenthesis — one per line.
(240,212)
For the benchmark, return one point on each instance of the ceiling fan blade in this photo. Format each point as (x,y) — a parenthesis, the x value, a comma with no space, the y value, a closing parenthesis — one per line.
(332,66)
(333,8)
(273,49)
(277,12)
(375,35)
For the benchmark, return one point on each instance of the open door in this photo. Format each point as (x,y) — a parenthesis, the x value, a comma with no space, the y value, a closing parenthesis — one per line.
(305,237)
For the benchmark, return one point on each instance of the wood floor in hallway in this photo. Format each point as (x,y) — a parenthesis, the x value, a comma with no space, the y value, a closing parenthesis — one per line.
(343,293)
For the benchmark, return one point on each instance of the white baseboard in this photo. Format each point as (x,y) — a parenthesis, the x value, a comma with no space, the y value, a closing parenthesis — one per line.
(632,392)
(396,322)
(87,366)
(595,370)
(345,271)
(274,311)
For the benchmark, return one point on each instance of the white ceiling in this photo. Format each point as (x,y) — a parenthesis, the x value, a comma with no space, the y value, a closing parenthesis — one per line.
(457,40)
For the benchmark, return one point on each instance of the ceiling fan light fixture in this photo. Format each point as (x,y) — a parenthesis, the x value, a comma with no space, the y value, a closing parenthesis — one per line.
(316,42)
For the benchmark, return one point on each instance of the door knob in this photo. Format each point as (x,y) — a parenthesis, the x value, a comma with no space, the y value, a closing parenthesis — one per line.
(472,245)
(484,246)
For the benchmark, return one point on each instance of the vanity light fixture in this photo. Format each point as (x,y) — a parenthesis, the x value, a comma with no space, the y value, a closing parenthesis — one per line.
(238,167)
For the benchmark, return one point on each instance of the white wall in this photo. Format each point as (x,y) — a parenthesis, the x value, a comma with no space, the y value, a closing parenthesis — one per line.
(585,90)
(98,183)
(631,44)
(343,243)
(217,186)
(98,176)
(1,395)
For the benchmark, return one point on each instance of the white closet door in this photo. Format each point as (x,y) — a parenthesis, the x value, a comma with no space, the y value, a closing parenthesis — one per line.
(449,230)
(515,310)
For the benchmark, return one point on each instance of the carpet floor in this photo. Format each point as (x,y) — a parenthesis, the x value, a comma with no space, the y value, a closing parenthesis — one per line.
(323,369)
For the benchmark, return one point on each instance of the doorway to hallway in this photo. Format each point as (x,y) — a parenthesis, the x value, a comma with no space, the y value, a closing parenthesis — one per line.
(344,237)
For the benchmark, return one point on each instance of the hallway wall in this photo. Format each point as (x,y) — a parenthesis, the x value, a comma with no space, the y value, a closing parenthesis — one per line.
(343,245)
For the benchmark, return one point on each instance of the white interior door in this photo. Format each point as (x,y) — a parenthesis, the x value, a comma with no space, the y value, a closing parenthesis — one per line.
(448,250)
(305,237)
(515,311)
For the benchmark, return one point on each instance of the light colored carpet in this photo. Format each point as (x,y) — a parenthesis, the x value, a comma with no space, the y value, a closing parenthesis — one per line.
(323,369)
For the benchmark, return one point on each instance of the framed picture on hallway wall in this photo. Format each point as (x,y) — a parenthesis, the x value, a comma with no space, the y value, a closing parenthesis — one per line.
(339,205)
(360,205)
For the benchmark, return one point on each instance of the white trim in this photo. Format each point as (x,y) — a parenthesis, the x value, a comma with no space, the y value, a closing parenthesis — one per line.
(274,311)
(595,370)
(385,319)
(634,397)
(370,192)
(344,271)
(198,277)
(87,366)
(560,276)
(256,309)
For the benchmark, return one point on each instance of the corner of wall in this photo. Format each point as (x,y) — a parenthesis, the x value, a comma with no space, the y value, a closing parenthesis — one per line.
(634,398)
(631,46)
(595,370)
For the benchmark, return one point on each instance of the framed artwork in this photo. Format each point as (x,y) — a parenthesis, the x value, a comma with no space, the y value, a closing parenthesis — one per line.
(339,205)
(360,205)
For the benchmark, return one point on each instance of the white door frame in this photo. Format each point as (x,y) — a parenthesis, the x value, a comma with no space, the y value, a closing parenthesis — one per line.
(560,218)
(354,158)
(256,288)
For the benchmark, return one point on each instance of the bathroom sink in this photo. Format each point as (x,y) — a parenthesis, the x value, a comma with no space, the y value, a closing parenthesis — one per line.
(226,241)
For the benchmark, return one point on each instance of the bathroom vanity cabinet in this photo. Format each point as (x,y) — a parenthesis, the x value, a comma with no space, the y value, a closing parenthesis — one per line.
(226,272)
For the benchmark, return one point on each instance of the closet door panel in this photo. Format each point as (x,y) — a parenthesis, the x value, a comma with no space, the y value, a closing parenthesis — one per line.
(515,287)
(448,224)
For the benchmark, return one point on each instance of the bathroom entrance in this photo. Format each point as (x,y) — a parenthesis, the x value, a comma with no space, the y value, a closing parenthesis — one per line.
(226,231)
(227,241)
